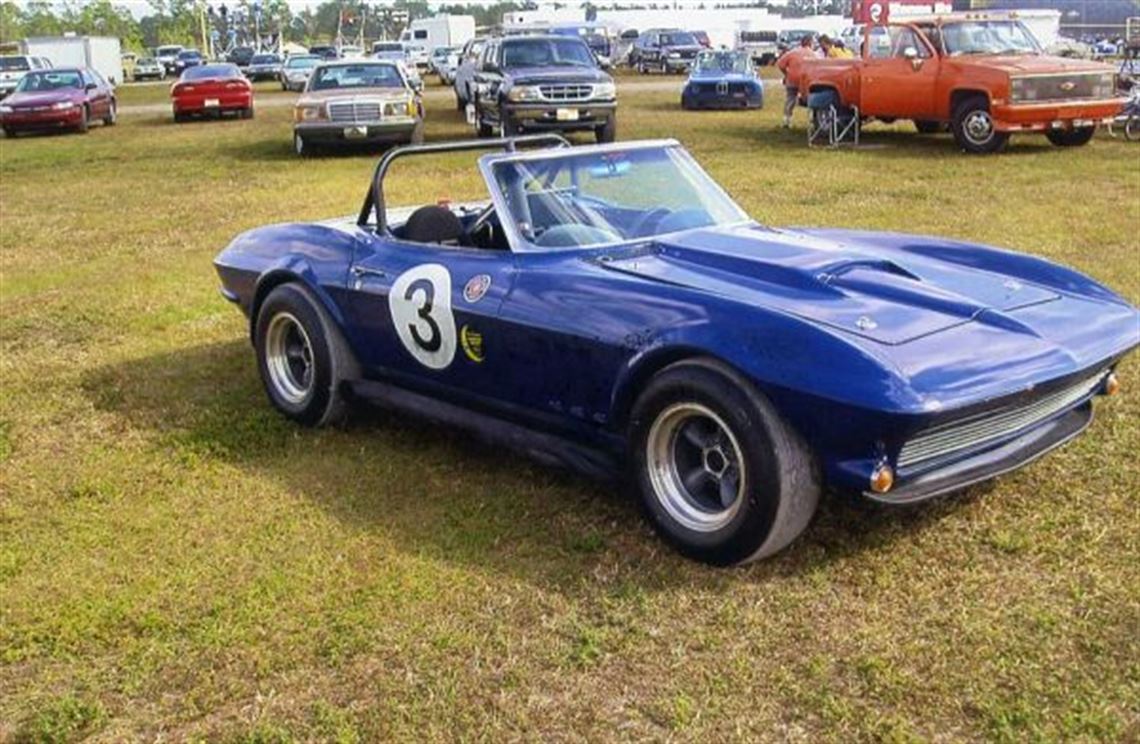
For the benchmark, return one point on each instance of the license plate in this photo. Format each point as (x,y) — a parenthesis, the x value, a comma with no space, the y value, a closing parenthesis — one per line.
(355,132)
(566,114)
(470,114)
(212,103)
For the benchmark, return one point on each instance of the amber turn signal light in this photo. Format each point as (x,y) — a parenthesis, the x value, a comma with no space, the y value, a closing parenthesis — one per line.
(1111,384)
(882,479)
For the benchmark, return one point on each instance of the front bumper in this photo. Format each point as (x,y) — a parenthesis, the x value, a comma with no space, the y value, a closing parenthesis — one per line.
(30,120)
(1038,117)
(729,100)
(398,129)
(678,64)
(558,117)
(212,104)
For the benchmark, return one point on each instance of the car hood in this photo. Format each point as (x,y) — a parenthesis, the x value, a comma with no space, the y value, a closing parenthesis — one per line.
(45,98)
(1032,64)
(538,75)
(322,96)
(882,296)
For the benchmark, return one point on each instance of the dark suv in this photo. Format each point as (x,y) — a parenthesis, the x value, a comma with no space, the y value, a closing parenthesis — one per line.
(543,83)
(664,50)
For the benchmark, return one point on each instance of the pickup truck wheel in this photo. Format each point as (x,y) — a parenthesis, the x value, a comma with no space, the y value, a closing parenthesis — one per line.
(721,476)
(1076,137)
(929,127)
(302,357)
(606,132)
(973,127)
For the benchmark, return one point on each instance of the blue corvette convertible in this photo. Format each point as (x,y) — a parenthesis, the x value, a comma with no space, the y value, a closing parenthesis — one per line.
(611,307)
(722,79)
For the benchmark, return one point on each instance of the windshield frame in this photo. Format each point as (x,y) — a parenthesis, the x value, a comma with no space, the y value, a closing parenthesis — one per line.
(520,244)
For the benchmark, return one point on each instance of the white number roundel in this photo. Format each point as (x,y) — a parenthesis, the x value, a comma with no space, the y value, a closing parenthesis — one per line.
(420,303)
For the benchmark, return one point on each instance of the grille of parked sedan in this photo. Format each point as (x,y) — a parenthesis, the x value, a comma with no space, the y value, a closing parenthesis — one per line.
(353,111)
(579,92)
(976,431)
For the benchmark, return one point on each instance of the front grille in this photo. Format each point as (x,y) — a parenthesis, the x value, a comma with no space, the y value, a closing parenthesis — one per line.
(977,431)
(722,89)
(1066,87)
(355,111)
(580,92)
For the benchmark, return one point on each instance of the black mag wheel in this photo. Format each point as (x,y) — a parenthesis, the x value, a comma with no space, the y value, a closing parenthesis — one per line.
(720,475)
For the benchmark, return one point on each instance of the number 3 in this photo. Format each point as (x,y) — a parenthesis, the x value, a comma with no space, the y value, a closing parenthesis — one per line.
(420,303)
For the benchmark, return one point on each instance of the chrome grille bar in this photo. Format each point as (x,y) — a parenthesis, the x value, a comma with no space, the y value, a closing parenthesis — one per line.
(581,92)
(975,432)
(354,111)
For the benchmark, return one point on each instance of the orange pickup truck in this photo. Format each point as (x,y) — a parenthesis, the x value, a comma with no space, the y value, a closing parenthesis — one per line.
(985,76)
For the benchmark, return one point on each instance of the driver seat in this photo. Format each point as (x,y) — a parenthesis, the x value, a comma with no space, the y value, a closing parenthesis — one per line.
(433,224)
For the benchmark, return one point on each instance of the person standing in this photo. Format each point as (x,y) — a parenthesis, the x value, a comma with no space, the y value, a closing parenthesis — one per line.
(788,64)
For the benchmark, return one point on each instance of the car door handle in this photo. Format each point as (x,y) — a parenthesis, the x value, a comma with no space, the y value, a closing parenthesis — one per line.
(359,271)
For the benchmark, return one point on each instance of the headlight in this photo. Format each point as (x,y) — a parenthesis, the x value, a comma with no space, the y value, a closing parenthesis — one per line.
(674,55)
(62,105)
(5,109)
(396,108)
(605,90)
(307,113)
(524,93)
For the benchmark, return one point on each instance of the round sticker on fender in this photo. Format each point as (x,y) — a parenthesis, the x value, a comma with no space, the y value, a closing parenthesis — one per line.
(420,303)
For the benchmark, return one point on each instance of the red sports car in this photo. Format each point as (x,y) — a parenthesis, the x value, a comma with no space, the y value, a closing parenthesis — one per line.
(208,90)
(63,98)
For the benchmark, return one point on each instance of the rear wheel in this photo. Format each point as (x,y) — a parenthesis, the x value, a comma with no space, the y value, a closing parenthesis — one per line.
(721,476)
(247,113)
(302,357)
(1076,137)
(608,131)
(973,127)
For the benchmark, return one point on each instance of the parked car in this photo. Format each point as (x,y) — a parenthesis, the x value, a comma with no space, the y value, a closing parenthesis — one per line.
(357,101)
(790,38)
(596,35)
(212,90)
(53,99)
(186,59)
(760,45)
(324,51)
(13,67)
(166,55)
(437,62)
(723,80)
(297,69)
(543,83)
(351,52)
(612,308)
(984,76)
(149,68)
(394,50)
(241,56)
(664,50)
(447,66)
(464,83)
(264,67)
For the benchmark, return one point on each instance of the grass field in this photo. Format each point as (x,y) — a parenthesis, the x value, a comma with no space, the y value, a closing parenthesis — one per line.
(178,562)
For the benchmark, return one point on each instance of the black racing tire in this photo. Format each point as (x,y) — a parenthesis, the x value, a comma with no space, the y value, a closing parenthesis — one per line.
(112,115)
(291,315)
(775,476)
(1076,137)
(84,121)
(973,130)
(686,104)
(929,127)
(606,132)
(180,117)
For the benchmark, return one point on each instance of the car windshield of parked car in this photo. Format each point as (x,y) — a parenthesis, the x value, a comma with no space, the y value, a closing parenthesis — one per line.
(167,50)
(988,37)
(610,196)
(202,72)
(147,62)
(264,59)
(679,38)
(546,53)
(723,62)
(189,55)
(40,82)
(302,63)
(14,64)
(356,76)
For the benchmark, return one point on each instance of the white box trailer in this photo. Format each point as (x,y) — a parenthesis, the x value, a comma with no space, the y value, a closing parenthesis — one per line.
(425,35)
(101,53)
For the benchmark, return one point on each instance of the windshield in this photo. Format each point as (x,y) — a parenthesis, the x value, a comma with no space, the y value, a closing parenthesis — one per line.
(168,51)
(794,35)
(546,53)
(679,38)
(39,82)
(723,62)
(356,76)
(189,55)
(10,64)
(146,61)
(202,72)
(264,59)
(566,201)
(753,37)
(302,63)
(988,37)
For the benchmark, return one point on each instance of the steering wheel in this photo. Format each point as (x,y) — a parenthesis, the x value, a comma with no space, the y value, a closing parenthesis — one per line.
(648,220)
(483,221)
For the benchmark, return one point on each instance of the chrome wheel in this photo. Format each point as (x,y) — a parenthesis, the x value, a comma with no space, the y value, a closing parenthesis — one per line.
(978,127)
(289,358)
(695,467)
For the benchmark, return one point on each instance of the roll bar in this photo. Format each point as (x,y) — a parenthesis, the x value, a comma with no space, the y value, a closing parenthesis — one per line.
(374,199)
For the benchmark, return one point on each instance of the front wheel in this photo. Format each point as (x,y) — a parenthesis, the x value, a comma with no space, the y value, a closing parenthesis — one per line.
(1076,137)
(974,129)
(302,358)
(112,115)
(302,146)
(84,121)
(606,132)
(720,475)
(247,113)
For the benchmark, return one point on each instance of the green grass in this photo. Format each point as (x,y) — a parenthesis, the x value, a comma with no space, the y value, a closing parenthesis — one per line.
(178,561)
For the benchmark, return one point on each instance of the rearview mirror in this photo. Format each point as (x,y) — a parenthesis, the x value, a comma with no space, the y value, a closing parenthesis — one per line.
(610,169)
